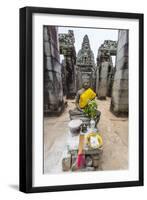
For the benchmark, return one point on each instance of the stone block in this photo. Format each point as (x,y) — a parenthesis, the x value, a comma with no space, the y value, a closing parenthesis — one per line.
(123,51)
(121,74)
(123,38)
(102,92)
(120,110)
(96,157)
(47,48)
(89,151)
(120,83)
(95,162)
(120,96)
(73,159)
(56,66)
(45,34)
(48,62)
(88,169)
(88,161)
(66,163)
(55,53)
(122,62)
(104,70)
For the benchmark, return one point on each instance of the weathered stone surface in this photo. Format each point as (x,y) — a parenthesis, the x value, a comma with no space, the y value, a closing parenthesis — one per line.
(85,65)
(66,163)
(105,71)
(122,63)
(53,89)
(86,169)
(123,83)
(96,157)
(95,162)
(123,34)
(67,48)
(89,151)
(73,159)
(47,50)
(119,101)
(110,46)
(88,161)
(121,74)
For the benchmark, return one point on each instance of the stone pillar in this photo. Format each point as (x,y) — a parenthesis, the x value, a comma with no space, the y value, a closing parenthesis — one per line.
(70,75)
(105,70)
(110,77)
(119,101)
(97,79)
(102,92)
(67,48)
(53,91)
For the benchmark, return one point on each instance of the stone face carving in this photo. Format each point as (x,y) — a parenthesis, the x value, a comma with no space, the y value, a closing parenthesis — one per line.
(53,91)
(67,48)
(119,100)
(105,71)
(85,66)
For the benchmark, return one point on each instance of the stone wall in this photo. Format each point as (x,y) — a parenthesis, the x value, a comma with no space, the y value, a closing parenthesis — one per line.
(110,77)
(103,82)
(105,68)
(53,90)
(119,101)
(67,49)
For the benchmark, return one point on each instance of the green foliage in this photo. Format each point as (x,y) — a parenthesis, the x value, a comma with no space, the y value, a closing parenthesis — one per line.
(91,109)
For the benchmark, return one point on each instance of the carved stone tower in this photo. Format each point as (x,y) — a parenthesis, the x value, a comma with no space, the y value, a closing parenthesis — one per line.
(85,66)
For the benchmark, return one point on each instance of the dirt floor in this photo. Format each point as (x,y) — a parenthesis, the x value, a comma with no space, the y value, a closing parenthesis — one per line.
(114,131)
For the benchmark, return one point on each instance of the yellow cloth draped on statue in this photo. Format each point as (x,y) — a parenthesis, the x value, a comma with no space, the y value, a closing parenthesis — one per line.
(89,94)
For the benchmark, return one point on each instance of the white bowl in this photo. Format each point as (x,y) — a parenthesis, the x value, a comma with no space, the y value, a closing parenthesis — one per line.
(74,126)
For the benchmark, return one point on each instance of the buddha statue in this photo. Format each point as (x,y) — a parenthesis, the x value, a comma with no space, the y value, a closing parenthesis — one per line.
(78,112)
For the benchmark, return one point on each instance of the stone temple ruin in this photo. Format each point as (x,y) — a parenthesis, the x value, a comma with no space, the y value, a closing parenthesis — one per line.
(67,49)
(64,79)
(119,100)
(53,88)
(105,69)
(85,66)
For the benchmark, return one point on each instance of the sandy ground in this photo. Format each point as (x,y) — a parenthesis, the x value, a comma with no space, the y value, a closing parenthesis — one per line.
(114,131)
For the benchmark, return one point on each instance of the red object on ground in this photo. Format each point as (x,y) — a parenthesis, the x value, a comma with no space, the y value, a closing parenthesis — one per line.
(80,160)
